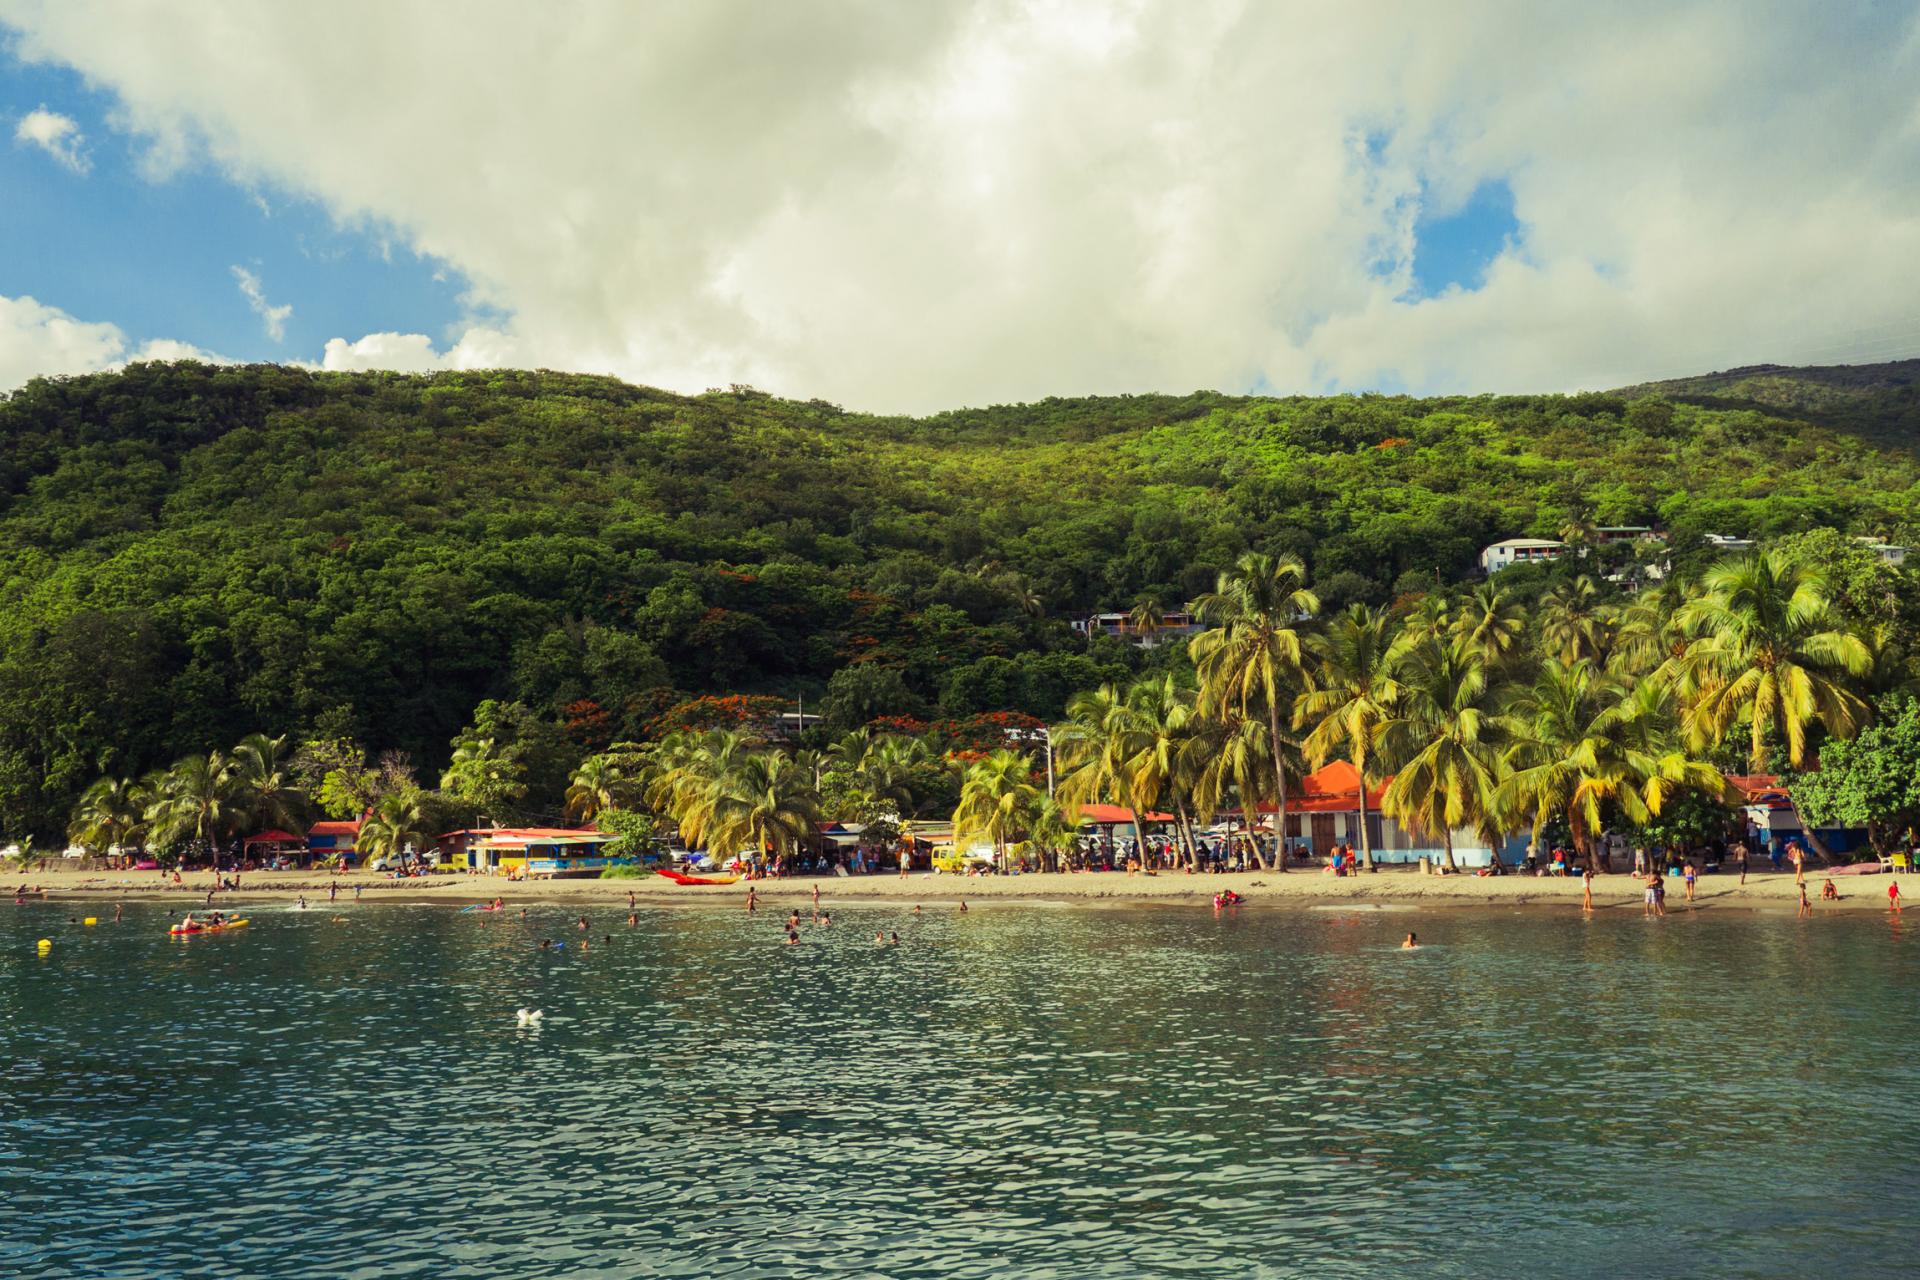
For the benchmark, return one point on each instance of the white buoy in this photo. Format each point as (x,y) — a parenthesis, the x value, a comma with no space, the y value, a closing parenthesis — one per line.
(530,1017)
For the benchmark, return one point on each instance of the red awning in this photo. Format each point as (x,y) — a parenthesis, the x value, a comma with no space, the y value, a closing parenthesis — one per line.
(334,829)
(273,837)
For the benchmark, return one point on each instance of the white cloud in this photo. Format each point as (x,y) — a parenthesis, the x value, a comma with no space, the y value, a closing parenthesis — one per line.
(37,340)
(272,318)
(916,206)
(57,135)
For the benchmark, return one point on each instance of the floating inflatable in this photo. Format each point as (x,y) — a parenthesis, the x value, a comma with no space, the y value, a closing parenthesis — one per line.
(187,930)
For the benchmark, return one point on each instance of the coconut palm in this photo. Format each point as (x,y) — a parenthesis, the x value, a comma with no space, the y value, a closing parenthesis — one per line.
(997,799)
(1355,693)
(1446,736)
(1649,632)
(1146,618)
(765,802)
(1237,769)
(1050,832)
(599,783)
(1170,752)
(1575,621)
(1771,653)
(1490,623)
(396,823)
(196,802)
(1096,745)
(264,788)
(1250,660)
(110,815)
(692,774)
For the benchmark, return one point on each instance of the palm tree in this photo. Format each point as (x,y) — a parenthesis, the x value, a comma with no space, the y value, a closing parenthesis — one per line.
(1772,654)
(1170,753)
(264,788)
(396,822)
(111,814)
(1649,633)
(1251,658)
(1146,618)
(1575,622)
(599,783)
(1490,623)
(1050,831)
(196,801)
(1096,745)
(997,799)
(1446,737)
(690,779)
(1237,768)
(766,803)
(1354,695)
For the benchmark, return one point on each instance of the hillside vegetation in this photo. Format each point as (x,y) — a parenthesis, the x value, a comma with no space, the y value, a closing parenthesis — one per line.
(194,553)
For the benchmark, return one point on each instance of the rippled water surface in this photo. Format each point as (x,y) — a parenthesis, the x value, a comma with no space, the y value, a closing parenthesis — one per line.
(1018,1092)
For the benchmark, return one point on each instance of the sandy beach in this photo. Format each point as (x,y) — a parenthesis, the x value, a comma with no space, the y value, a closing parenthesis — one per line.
(1300,889)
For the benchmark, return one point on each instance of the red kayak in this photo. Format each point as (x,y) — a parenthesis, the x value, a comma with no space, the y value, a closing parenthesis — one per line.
(680,877)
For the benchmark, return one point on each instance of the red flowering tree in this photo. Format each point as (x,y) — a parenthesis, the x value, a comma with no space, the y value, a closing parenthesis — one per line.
(752,713)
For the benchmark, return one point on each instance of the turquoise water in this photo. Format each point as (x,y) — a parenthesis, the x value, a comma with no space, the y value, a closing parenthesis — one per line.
(1020,1092)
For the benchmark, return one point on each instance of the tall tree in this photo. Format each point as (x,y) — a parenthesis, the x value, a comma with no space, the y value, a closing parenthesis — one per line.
(1249,661)
(1575,621)
(1354,693)
(111,815)
(997,800)
(1446,736)
(1770,653)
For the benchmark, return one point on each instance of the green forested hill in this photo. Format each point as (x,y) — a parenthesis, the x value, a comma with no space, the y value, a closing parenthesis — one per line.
(194,552)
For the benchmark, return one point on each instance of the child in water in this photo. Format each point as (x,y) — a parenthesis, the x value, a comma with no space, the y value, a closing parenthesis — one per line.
(1411,944)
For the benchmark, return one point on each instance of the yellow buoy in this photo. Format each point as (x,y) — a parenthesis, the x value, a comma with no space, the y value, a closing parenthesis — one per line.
(45,944)
(91,920)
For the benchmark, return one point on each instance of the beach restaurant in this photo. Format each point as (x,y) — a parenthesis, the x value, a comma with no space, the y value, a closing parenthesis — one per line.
(1325,811)
(528,851)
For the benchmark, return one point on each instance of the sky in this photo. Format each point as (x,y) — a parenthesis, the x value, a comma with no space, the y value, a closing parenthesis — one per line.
(911,207)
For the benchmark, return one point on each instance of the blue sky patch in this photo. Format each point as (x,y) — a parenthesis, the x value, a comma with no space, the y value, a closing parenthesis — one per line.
(1455,248)
(157,257)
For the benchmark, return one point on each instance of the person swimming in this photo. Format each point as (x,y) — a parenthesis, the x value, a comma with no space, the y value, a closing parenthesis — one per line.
(963,906)
(633,918)
(1411,944)
(893,939)
(793,937)
(879,939)
(583,924)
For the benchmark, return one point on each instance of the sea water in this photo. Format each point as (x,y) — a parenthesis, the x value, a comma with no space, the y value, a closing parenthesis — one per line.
(1104,1092)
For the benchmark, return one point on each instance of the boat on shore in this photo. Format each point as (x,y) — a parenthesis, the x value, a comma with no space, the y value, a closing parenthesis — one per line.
(681,877)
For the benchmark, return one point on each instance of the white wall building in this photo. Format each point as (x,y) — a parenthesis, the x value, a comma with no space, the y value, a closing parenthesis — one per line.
(1514,551)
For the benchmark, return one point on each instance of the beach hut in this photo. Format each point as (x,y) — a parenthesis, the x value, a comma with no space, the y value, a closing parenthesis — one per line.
(333,839)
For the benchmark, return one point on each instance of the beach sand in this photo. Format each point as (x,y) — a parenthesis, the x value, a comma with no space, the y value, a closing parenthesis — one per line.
(1764,890)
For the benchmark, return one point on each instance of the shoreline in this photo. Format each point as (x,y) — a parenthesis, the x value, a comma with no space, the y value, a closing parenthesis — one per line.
(1765,891)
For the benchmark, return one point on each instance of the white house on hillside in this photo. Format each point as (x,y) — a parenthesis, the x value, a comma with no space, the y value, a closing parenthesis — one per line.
(1514,551)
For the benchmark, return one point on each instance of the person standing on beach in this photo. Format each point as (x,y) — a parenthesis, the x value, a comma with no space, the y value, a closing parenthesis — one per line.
(1799,857)
(119,909)
(1893,896)
(1806,908)
(816,899)
(333,890)
(1586,890)
(1691,873)
(1744,851)
(753,899)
